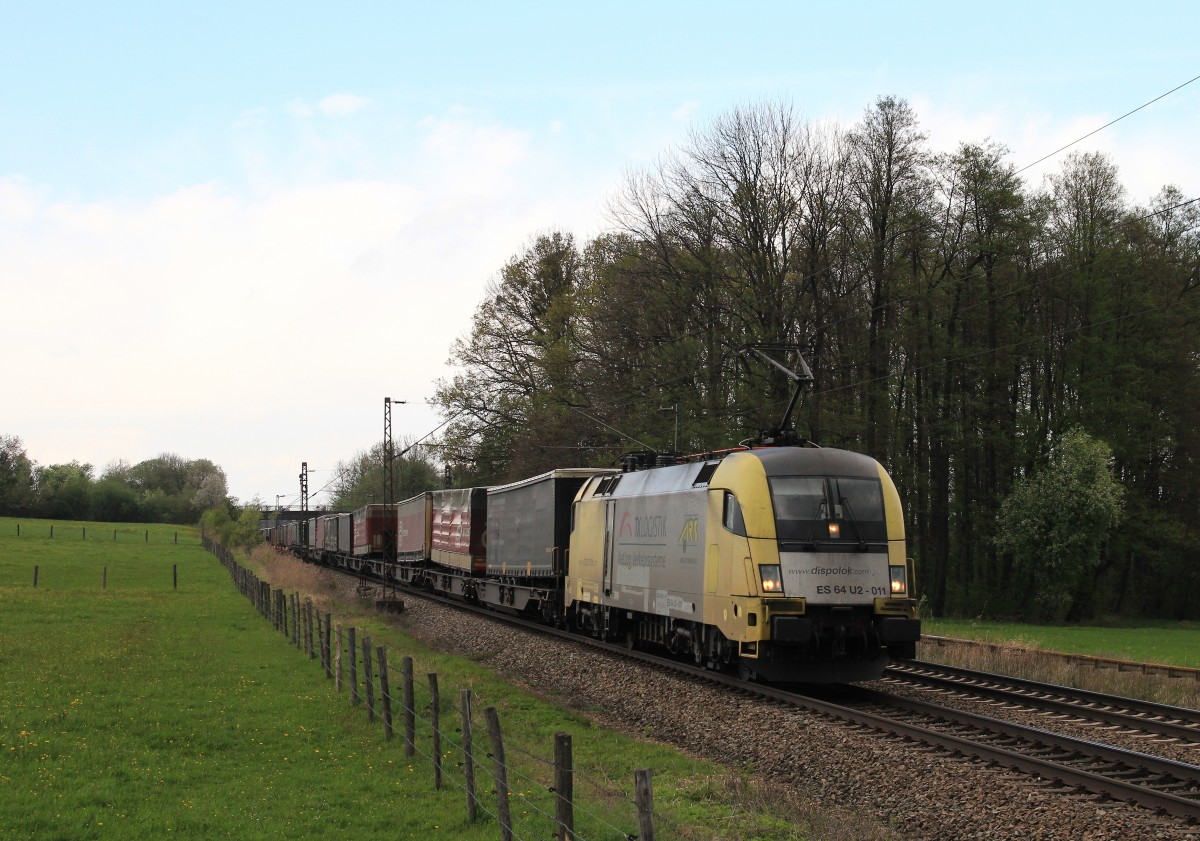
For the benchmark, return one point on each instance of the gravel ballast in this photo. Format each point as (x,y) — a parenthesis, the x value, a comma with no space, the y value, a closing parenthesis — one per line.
(911,793)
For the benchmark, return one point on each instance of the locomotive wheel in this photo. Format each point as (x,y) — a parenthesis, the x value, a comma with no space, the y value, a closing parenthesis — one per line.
(630,639)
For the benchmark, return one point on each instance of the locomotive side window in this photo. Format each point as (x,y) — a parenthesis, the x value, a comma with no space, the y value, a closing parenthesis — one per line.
(733,519)
(817,509)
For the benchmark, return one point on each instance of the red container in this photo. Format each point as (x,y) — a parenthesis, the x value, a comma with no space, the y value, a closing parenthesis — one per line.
(374,526)
(413,533)
(459,528)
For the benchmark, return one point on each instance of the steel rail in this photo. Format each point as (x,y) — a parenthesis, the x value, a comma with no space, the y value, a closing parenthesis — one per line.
(1180,723)
(1175,774)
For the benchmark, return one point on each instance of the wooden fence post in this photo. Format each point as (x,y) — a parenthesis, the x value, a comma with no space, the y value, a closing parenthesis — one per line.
(104,579)
(174,576)
(368,678)
(352,650)
(435,702)
(325,648)
(464,701)
(338,660)
(564,787)
(644,795)
(295,600)
(35,573)
(410,714)
(308,629)
(384,695)
(318,642)
(500,773)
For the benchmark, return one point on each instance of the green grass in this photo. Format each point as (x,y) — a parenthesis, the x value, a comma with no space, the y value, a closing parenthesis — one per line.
(1171,643)
(143,711)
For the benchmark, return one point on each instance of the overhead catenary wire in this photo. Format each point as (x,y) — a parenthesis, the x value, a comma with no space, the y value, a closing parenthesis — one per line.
(1045,251)
(1106,125)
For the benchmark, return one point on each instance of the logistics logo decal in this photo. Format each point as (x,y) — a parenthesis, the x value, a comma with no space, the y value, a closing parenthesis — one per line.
(626,529)
(690,534)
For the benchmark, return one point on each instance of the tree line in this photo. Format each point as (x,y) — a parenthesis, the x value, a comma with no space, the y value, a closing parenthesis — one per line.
(1022,358)
(166,489)
(359,480)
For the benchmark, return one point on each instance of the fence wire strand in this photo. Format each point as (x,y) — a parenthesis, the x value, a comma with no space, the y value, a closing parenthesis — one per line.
(292,622)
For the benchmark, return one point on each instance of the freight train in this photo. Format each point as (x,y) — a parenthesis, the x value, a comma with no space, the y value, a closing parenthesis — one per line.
(781,563)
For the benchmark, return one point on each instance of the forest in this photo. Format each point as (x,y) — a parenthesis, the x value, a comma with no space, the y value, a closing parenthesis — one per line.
(166,489)
(1024,359)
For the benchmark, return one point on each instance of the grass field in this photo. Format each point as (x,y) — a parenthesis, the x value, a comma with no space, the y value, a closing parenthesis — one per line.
(141,711)
(1172,643)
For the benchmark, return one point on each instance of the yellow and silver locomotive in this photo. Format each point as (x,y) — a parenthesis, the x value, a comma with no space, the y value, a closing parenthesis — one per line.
(787,563)
(784,562)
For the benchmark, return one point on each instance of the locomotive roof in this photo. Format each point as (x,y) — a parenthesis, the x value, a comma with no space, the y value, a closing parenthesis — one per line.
(823,461)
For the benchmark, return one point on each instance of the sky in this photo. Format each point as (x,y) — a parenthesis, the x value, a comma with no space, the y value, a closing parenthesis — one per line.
(229,230)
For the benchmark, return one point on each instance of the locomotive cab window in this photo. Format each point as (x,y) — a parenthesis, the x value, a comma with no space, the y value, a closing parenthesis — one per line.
(816,509)
(732,518)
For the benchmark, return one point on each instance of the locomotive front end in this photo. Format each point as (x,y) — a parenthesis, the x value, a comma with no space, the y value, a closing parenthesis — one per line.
(821,535)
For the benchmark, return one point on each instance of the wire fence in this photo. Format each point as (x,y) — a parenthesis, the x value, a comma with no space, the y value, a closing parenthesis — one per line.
(37,575)
(530,796)
(100,533)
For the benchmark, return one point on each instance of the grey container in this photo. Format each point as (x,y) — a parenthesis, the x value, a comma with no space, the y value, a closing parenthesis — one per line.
(529,523)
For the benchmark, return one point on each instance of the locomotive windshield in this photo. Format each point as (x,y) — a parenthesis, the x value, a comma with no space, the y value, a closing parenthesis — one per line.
(817,509)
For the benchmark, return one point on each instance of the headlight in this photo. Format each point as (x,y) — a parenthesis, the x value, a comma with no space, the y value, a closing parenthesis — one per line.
(899,581)
(772,579)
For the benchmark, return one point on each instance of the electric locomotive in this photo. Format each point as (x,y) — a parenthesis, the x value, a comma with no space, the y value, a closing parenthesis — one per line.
(783,560)
(787,563)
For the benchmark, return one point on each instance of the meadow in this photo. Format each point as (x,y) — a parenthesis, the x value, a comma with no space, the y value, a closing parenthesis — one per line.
(1172,643)
(1024,651)
(147,710)
(143,697)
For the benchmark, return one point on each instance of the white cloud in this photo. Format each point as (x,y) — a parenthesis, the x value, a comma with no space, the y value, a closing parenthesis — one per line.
(298,108)
(1147,158)
(342,104)
(18,202)
(686,110)
(259,329)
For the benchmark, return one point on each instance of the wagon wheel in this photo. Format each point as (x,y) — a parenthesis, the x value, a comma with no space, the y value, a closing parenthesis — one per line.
(630,639)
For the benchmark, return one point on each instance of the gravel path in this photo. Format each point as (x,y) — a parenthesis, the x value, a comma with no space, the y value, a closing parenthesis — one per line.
(908,792)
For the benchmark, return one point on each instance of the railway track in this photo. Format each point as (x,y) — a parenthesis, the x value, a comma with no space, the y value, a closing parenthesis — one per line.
(1075,766)
(1163,785)
(1064,703)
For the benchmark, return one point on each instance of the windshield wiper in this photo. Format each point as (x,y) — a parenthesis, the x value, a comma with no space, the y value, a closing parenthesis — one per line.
(811,542)
(862,541)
